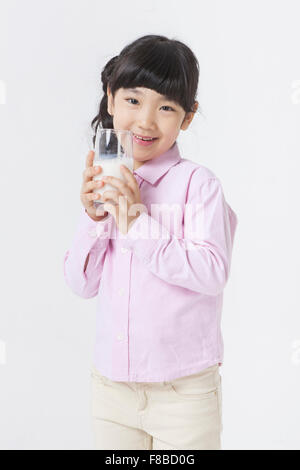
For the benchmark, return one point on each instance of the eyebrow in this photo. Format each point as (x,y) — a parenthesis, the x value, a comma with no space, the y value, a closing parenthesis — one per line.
(138,92)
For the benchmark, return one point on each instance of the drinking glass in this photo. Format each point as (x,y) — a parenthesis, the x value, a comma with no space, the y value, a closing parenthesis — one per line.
(113,147)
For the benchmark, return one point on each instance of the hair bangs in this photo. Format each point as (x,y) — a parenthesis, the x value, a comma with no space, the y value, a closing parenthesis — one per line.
(158,70)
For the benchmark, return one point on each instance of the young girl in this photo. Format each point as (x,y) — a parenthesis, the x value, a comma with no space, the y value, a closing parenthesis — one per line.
(155,381)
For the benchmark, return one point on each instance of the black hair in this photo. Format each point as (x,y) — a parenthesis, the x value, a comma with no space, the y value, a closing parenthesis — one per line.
(167,66)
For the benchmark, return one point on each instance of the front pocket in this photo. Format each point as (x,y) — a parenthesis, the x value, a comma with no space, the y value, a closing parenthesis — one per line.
(187,393)
(201,386)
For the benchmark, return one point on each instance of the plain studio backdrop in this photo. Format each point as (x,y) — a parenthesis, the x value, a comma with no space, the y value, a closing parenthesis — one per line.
(51,57)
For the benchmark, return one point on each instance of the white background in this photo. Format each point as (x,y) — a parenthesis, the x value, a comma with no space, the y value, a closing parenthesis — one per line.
(51,57)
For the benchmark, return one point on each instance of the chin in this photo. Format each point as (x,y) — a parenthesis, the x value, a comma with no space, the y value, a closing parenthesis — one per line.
(139,159)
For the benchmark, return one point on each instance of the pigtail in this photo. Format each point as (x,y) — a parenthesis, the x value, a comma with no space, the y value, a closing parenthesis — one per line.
(103,119)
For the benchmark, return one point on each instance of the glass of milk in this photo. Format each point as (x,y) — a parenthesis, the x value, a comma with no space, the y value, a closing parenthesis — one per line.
(113,147)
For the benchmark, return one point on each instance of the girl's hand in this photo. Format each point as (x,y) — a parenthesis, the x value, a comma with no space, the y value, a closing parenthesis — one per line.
(126,197)
(87,196)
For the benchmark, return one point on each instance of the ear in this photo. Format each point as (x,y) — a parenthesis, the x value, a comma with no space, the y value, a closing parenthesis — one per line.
(109,101)
(189,117)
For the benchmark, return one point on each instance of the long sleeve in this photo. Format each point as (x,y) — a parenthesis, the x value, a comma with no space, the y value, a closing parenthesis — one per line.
(200,261)
(91,238)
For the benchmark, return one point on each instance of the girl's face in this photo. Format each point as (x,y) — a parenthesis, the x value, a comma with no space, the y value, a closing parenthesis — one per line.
(147,113)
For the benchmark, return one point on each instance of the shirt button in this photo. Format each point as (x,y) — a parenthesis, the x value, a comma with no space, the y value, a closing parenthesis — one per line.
(120,337)
(121,291)
(124,250)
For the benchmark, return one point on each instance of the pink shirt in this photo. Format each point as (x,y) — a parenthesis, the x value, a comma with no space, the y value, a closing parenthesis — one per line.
(160,287)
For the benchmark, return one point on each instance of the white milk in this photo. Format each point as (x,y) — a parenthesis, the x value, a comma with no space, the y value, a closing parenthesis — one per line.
(111,167)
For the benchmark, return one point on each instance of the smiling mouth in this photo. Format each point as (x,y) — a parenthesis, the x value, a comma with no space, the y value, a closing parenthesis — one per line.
(144,138)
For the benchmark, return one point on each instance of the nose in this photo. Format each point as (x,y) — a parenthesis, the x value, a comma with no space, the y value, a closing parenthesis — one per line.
(146,120)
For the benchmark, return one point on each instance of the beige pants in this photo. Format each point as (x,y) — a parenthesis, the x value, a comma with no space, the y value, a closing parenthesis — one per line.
(185,413)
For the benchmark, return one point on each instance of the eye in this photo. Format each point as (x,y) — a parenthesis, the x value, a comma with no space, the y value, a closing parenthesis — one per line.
(168,107)
(131,99)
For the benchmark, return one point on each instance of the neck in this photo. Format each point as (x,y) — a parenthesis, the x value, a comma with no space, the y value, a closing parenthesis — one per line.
(137,164)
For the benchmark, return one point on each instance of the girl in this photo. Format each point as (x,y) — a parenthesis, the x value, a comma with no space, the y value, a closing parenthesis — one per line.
(155,381)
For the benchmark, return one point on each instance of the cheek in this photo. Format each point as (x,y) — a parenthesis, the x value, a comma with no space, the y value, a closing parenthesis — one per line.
(121,118)
(170,132)
(171,125)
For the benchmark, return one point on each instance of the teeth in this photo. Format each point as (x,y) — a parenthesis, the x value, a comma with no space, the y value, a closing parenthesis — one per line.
(144,139)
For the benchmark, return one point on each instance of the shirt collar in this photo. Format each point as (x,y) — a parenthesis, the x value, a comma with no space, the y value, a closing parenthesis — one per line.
(155,168)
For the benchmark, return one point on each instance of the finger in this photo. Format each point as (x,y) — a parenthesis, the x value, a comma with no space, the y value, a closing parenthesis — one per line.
(121,186)
(117,198)
(91,196)
(93,184)
(130,179)
(89,159)
(110,195)
(89,173)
